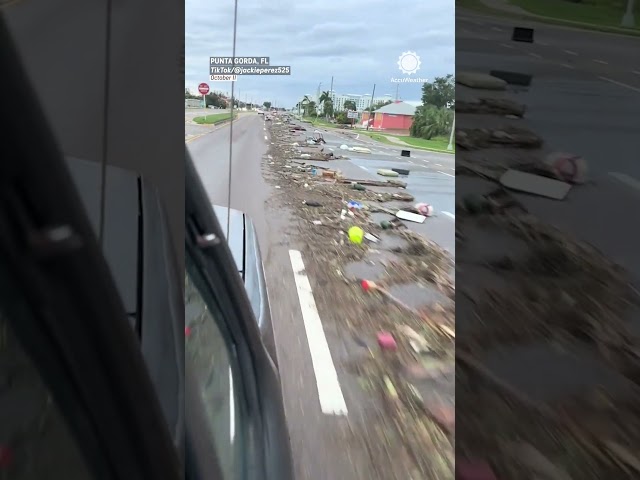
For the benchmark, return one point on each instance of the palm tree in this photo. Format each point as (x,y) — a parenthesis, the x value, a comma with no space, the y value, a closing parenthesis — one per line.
(304,103)
(349,105)
(311,108)
(430,122)
(325,99)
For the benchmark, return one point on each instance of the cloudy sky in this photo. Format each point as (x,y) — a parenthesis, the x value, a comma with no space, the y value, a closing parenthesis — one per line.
(358,42)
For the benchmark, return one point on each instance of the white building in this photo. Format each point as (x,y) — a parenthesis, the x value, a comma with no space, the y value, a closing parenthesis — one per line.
(362,101)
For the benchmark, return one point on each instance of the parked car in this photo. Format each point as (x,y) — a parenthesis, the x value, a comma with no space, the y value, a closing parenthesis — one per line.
(228,318)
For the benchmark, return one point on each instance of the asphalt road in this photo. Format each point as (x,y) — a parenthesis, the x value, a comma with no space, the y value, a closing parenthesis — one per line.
(319,449)
(323,445)
(431,178)
(584,99)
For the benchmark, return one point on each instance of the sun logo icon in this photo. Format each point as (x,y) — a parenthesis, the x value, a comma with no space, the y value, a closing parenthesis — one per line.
(409,62)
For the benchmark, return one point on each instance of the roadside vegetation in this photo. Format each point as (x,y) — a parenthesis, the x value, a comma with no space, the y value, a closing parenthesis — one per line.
(212,119)
(595,12)
(597,15)
(431,126)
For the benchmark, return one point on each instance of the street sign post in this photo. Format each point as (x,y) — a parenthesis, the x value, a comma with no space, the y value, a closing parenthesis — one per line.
(203,88)
(353,116)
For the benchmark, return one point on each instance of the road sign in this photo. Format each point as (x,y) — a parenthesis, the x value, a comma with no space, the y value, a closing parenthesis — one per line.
(352,114)
(203,88)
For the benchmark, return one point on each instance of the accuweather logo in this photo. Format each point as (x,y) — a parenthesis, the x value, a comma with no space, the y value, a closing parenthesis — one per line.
(409,63)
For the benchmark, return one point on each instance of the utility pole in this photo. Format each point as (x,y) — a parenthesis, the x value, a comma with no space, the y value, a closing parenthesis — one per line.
(453,129)
(397,89)
(330,98)
(628,19)
(371,106)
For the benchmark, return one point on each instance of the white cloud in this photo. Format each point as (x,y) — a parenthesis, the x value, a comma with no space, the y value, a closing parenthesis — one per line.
(358,42)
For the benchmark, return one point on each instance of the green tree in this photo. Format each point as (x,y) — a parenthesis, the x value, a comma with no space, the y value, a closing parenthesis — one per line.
(341,118)
(327,107)
(326,103)
(430,121)
(216,100)
(310,110)
(349,105)
(440,93)
(188,95)
(266,105)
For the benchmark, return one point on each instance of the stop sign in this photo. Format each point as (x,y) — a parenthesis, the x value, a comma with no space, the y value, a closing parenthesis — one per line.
(203,88)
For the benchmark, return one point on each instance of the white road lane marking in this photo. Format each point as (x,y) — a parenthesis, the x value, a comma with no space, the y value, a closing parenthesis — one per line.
(329,391)
(449,214)
(602,62)
(497,29)
(637,72)
(535,55)
(232,409)
(626,179)
(506,45)
(570,52)
(447,174)
(620,84)
(266,138)
(438,165)
(364,168)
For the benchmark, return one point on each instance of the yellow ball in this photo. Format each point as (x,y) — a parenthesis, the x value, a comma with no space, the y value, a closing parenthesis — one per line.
(356,234)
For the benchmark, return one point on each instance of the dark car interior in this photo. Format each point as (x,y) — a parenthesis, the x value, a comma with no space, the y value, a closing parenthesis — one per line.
(92,350)
(80,384)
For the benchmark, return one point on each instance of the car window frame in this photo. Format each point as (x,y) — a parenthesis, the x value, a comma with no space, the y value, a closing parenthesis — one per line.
(98,364)
(205,240)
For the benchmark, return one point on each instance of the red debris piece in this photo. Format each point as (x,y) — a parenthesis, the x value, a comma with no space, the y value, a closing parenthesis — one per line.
(366,285)
(187,331)
(386,341)
(474,470)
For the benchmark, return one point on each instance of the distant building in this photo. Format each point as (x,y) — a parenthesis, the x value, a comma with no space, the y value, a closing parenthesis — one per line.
(397,116)
(193,103)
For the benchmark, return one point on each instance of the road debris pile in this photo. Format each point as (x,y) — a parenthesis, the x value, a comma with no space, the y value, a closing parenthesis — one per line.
(547,366)
(389,294)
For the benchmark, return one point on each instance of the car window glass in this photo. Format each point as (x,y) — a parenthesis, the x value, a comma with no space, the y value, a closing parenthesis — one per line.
(35,443)
(211,357)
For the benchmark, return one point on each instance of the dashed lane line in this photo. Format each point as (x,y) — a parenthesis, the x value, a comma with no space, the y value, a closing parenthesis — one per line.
(447,174)
(449,214)
(329,391)
(626,179)
(601,62)
(569,52)
(620,84)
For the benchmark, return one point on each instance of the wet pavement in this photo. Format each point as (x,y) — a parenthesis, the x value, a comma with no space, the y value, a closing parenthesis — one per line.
(324,446)
(565,106)
(431,178)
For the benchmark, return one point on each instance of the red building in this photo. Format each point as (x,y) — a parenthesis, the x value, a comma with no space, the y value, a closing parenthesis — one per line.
(397,116)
